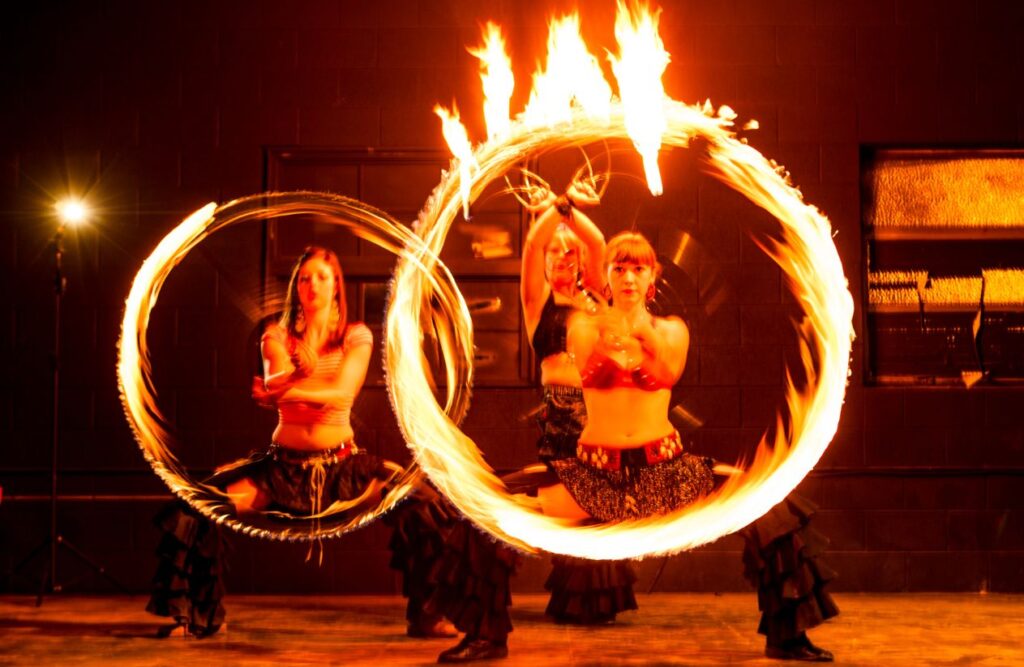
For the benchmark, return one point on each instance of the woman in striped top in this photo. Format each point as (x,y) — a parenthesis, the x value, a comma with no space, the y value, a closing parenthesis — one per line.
(314,365)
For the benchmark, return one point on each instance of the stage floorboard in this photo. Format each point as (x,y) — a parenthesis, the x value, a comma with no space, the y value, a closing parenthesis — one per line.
(669,628)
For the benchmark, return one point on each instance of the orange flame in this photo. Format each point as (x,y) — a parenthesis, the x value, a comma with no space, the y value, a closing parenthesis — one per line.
(638,68)
(572,76)
(805,252)
(458,141)
(497,79)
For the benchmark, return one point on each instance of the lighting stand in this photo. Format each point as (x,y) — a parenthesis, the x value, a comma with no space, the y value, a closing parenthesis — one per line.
(48,578)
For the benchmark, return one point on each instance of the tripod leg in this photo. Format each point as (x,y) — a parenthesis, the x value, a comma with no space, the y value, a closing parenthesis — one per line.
(27,559)
(44,582)
(96,567)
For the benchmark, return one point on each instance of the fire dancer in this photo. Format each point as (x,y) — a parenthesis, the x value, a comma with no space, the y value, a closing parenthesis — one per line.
(314,362)
(562,259)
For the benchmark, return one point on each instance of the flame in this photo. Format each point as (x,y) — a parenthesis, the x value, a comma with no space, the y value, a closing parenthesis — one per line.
(572,77)
(638,68)
(458,141)
(805,252)
(152,430)
(497,80)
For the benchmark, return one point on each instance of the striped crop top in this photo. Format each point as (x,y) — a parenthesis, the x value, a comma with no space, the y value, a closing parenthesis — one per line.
(303,413)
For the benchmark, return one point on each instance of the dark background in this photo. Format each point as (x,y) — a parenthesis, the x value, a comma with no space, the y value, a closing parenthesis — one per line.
(158,108)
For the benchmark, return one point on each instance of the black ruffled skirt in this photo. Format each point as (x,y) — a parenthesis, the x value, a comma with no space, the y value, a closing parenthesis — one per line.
(783,559)
(589,592)
(470,583)
(188,585)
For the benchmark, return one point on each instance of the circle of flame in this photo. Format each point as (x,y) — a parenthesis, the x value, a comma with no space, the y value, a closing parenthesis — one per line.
(805,253)
(152,430)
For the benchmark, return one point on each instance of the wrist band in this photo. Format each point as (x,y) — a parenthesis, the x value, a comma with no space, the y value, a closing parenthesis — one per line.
(563,205)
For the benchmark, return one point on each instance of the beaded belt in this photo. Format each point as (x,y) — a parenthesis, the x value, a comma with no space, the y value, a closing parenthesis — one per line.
(308,459)
(563,390)
(610,458)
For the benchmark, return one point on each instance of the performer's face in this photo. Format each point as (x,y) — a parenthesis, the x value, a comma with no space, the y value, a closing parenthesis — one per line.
(562,257)
(316,284)
(629,281)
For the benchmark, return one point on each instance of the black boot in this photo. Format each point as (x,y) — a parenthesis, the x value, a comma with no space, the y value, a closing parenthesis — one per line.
(799,648)
(471,649)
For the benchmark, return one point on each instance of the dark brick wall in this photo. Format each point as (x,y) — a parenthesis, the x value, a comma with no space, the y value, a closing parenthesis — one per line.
(157,109)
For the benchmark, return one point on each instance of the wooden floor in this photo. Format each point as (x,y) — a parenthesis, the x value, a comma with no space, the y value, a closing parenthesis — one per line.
(669,628)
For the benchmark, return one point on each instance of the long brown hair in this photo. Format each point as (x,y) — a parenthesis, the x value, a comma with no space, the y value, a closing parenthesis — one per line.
(292,318)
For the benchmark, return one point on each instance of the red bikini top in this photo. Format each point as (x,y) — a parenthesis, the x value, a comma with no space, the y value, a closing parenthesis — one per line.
(603,372)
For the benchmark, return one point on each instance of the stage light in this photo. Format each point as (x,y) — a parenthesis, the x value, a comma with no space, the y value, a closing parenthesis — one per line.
(72,212)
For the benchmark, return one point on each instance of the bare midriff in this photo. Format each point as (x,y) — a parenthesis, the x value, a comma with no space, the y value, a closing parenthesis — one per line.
(624,417)
(311,437)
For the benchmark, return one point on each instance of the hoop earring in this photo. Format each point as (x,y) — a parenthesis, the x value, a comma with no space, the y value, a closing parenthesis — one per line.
(606,292)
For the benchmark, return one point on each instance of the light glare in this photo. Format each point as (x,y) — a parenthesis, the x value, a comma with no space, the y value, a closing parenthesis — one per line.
(72,212)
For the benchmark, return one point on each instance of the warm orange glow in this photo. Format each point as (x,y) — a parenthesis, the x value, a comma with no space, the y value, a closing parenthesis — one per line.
(806,253)
(458,142)
(638,68)
(497,80)
(72,212)
(572,77)
(153,431)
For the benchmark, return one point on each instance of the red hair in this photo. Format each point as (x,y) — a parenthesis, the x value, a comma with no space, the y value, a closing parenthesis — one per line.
(293,307)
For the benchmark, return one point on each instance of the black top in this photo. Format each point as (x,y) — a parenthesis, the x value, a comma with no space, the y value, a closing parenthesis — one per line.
(549,336)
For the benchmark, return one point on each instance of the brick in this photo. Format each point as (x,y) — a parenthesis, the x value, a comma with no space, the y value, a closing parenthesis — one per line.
(782,13)
(731,44)
(817,124)
(734,446)
(414,47)
(719,365)
(905,530)
(923,12)
(759,365)
(845,451)
(905,447)
(759,408)
(883,408)
(844,529)
(1003,410)
(1003,492)
(895,46)
(801,160)
(867,12)
(947,571)
(884,571)
(768,83)
(861,492)
(721,325)
(330,48)
(944,493)
(1007,570)
(698,571)
(816,45)
(986,530)
(767,324)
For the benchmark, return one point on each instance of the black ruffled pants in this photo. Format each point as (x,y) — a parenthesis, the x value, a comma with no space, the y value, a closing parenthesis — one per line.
(582,591)
(782,558)
(188,585)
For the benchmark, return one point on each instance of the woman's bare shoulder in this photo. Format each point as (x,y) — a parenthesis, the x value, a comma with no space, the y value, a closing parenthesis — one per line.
(672,325)
(274,331)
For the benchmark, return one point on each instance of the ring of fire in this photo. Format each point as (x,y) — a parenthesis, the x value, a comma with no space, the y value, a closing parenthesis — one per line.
(152,430)
(805,253)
